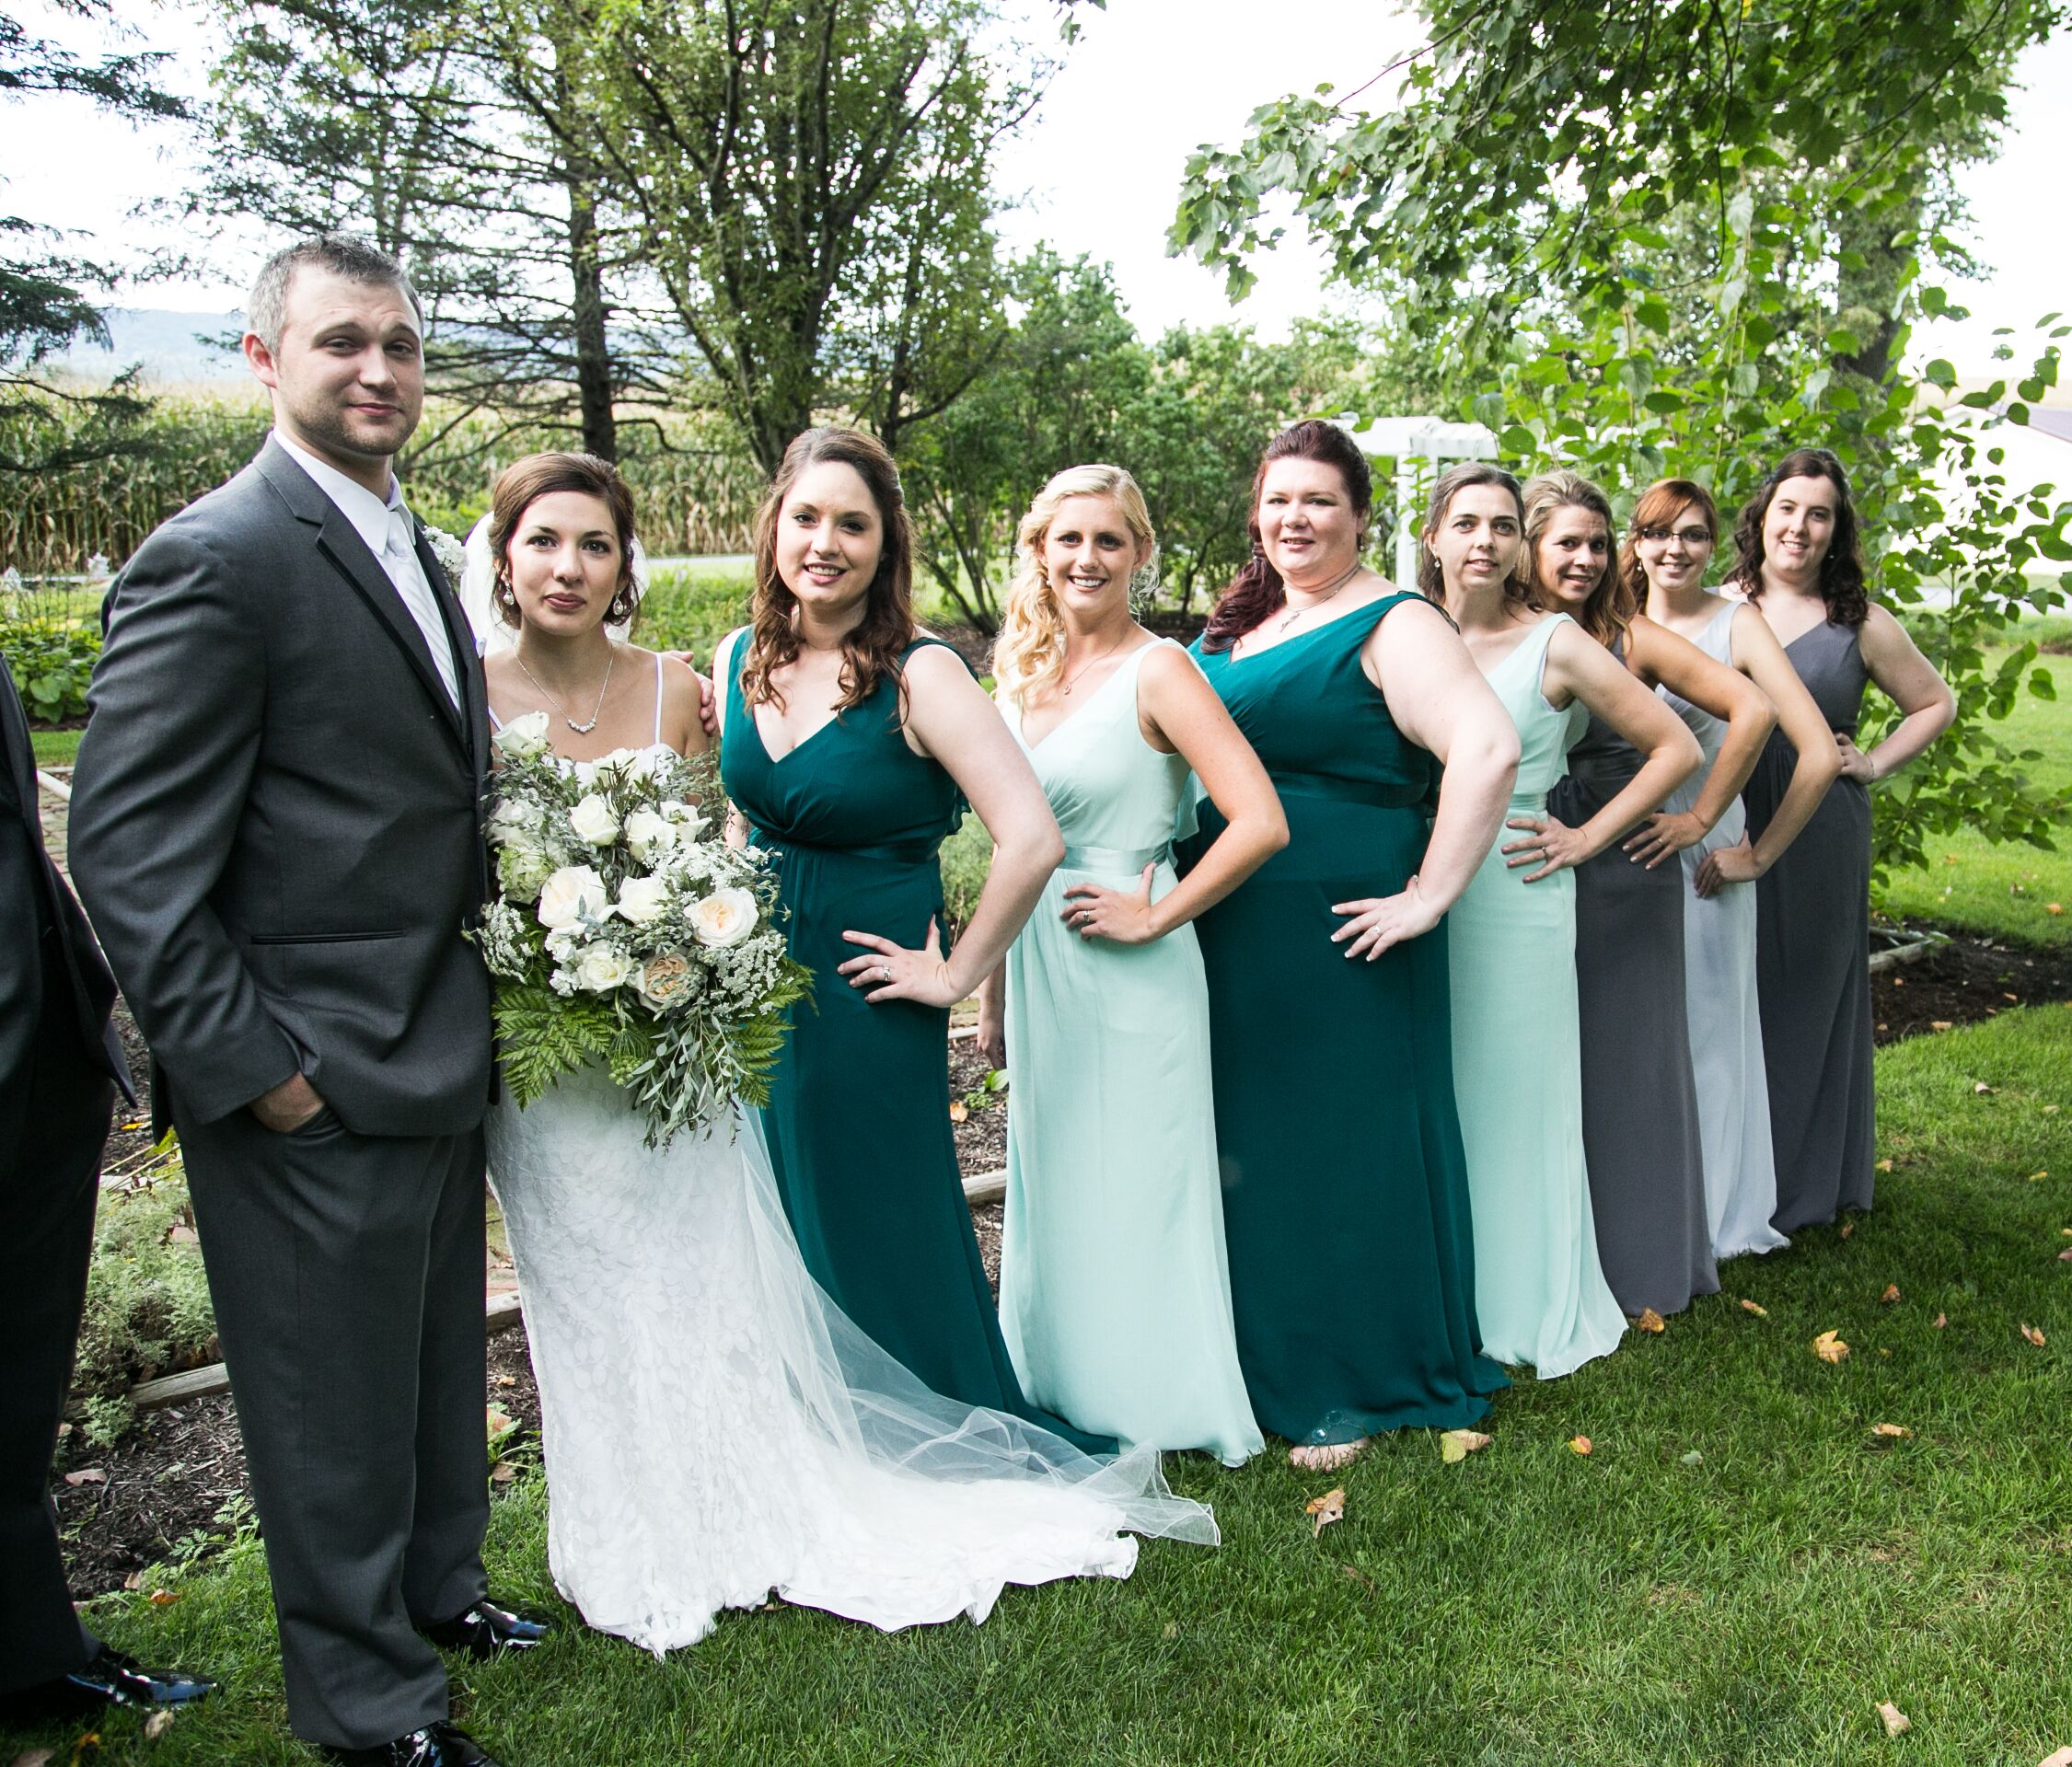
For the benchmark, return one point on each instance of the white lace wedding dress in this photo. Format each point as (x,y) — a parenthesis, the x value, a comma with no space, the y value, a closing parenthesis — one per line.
(717,1430)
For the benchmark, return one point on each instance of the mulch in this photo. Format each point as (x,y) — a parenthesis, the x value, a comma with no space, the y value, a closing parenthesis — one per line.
(170,1479)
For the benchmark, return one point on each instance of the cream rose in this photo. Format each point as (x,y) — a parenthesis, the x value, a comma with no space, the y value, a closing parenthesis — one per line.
(688,820)
(523,871)
(641,899)
(597,969)
(723,918)
(525,737)
(572,893)
(593,821)
(666,979)
(648,835)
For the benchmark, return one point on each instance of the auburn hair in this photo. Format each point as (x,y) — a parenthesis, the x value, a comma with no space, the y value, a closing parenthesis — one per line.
(873,649)
(1432,579)
(1030,650)
(525,483)
(1256,591)
(1658,506)
(1605,612)
(1841,570)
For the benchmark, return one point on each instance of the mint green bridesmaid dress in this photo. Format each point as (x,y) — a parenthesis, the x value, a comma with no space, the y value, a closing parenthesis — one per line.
(858,1121)
(1540,1292)
(1344,1192)
(1114,1287)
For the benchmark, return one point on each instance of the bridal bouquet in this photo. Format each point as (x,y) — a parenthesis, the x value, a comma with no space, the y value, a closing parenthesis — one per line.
(624,929)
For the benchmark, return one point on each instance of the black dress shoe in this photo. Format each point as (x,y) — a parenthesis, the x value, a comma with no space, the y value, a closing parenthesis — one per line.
(109,1678)
(486,1631)
(437,1745)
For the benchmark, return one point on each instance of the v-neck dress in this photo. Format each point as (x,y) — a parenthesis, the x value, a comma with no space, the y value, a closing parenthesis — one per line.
(858,1121)
(1114,1284)
(1813,928)
(1539,1293)
(1344,1189)
(1639,1100)
(1719,1002)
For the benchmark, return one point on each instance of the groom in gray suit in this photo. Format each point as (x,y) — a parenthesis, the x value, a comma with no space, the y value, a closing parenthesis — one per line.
(276,828)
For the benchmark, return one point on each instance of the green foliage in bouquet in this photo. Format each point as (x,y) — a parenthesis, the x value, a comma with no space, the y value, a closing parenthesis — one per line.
(626,933)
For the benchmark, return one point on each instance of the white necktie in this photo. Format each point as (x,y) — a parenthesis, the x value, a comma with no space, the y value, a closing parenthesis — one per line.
(400,560)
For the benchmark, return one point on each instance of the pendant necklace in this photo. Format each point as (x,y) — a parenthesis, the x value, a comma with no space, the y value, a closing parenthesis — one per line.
(1289,619)
(596,712)
(1066,690)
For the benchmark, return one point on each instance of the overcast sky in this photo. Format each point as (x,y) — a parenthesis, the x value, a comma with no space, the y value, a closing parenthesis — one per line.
(1097,169)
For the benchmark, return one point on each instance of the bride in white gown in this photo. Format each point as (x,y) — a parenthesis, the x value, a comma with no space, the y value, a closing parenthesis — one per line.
(714,1428)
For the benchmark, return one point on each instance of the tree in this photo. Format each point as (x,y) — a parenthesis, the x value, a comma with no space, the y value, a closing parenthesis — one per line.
(45,427)
(1681,237)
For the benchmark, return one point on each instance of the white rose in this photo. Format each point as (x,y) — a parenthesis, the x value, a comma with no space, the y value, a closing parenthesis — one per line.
(723,918)
(524,737)
(593,821)
(597,969)
(649,835)
(687,817)
(523,871)
(574,893)
(641,899)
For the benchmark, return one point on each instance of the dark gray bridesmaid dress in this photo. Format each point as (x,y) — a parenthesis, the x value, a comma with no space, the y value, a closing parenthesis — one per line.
(1812,930)
(1640,1107)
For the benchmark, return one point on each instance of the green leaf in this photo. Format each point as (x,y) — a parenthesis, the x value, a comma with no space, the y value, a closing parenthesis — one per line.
(1940,373)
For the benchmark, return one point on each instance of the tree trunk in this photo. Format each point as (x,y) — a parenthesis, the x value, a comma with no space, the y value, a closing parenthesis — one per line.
(1867,298)
(594,385)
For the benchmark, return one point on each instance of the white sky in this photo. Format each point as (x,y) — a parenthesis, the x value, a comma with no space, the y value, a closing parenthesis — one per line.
(1097,169)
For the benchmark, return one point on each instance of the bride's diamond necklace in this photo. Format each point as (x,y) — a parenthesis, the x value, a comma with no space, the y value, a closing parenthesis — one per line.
(611,660)
(1289,619)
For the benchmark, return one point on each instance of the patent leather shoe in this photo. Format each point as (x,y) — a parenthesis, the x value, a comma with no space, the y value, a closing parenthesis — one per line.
(485,1631)
(437,1745)
(109,1678)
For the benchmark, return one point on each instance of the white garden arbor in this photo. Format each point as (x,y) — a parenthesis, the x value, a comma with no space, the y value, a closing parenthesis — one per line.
(1421,446)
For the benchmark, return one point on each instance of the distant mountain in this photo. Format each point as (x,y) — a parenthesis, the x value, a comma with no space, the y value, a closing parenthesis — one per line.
(173,347)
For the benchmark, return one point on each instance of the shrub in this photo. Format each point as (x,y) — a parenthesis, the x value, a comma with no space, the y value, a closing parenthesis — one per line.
(692,610)
(967,856)
(147,1298)
(52,639)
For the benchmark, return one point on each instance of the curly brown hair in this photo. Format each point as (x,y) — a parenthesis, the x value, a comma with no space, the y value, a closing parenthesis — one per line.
(525,483)
(873,649)
(1432,579)
(1256,591)
(1658,506)
(1841,572)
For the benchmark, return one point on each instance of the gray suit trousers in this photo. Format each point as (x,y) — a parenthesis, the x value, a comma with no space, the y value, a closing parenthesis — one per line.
(347,1276)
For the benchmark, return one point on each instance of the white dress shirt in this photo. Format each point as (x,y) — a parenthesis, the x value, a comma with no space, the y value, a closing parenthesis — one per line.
(391,536)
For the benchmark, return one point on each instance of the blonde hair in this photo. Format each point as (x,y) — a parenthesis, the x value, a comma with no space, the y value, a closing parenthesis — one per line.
(1030,650)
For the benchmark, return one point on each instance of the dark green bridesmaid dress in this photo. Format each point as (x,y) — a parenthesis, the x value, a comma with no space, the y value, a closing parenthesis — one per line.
(1344,1188)
(858,1121)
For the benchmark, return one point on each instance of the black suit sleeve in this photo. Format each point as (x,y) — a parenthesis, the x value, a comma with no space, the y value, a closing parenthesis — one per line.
(175,715)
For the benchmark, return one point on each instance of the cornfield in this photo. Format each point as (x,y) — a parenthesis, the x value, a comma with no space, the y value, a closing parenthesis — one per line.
(695,492)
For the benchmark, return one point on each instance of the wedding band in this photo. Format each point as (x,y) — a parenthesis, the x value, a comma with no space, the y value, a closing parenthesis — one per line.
(884,975)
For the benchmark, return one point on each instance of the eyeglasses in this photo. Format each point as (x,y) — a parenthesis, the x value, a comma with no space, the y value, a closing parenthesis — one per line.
(1689,535)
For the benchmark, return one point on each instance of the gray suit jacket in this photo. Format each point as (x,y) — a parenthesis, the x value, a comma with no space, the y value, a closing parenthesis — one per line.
(276,817)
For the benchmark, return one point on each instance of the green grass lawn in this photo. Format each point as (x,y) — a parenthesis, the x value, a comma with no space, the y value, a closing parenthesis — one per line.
(2003,890)
(1736,1573)
(55,747)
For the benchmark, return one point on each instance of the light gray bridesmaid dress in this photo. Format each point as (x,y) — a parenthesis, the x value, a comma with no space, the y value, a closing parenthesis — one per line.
(1640,1106)
(1813,937)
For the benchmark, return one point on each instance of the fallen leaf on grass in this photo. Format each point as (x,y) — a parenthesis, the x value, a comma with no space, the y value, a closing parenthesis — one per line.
(1694,1459)
(958,1110)
(1847,1227)
(1940,1321)
(86,1475)
(1581,1444)
(1749,1307)
(1361,1577)
(1324,1510)
(506,1379)
(133,1582)
(502,1472)
(2035,1336)
(499,1422)
(1829,1347)
(1456,1444)
(1896,1722)
(1650,1320)
(157,1724)
(2038,1177)
(1890,1294)
(1884,1165)
(161,1598)
(2053,907)
(1981,1090)
(1892,1432)
(2062,1759)
(42,1757)
(1940,1025)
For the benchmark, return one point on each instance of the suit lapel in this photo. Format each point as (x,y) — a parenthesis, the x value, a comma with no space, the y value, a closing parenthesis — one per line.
(467,666)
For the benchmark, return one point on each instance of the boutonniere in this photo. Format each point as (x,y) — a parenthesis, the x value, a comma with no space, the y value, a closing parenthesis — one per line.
(452,556)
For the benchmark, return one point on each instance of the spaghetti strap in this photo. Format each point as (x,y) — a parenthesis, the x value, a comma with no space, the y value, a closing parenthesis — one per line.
(658,698)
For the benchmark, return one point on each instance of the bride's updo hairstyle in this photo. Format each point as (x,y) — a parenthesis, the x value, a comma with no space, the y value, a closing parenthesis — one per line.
(525,483)
(873,649)
(1256,591)
(1432,579)
(1030,650)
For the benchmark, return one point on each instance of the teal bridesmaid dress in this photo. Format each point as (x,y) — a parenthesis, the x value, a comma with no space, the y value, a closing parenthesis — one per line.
(1540,1292)
(1114,1287)
(1345,1191)
(858,1121)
